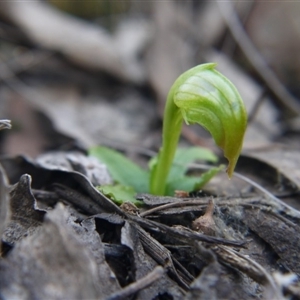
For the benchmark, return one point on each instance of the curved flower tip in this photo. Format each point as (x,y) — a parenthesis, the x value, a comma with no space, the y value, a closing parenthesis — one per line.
(207,97)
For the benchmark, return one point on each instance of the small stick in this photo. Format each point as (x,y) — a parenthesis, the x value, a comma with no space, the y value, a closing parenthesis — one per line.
(138,285)
(171,205)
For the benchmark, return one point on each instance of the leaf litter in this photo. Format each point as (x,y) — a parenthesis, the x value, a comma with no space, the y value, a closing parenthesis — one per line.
(262,264)
(77,242)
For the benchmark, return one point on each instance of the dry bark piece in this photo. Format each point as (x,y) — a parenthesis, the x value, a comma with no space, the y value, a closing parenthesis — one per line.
(144,262)
(86,232)
(283,238)
(163,257)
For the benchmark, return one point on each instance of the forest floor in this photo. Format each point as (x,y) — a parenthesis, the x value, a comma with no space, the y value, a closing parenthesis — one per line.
(63,239)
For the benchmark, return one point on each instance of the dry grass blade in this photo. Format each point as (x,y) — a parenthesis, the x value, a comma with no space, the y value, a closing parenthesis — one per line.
(276,201)
(294,212)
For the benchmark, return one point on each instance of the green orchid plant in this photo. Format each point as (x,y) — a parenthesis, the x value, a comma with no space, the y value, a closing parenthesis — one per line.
(201,95)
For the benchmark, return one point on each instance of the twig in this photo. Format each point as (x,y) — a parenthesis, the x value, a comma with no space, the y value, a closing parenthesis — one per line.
(247,203)
(249,267)
(173,205)
(140,284)
(183,234)
(285,99)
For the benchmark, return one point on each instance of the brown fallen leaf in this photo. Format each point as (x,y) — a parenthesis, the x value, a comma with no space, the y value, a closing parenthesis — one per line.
(25,219)
(284,160)
(54,263)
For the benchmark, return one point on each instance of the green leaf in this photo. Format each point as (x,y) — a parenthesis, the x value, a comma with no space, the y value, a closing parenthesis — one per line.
(122,170)
(185,156)
(191,183)
(120,194)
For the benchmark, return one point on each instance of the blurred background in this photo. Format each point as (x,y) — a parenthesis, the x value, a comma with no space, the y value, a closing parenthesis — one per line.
(79,73)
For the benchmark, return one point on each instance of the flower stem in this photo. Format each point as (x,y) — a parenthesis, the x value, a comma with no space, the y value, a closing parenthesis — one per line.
(171,131)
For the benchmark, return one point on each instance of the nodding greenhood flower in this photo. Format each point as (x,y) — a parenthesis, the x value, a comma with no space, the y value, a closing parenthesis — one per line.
(201,95)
